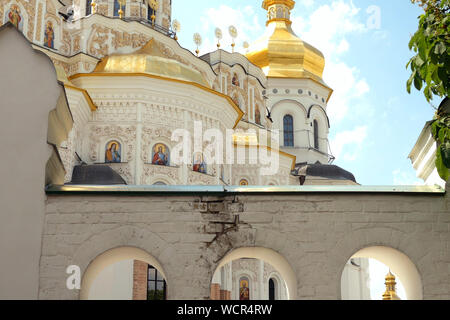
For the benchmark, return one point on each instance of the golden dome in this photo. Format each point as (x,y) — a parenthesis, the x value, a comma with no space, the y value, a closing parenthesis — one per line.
(280,53)
(150,60)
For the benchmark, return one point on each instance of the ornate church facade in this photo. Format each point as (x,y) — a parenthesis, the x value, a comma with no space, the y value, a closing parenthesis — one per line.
(130,86)
(99,104)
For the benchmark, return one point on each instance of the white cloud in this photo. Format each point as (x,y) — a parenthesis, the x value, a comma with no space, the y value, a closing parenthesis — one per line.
(244,19)
(306,3)
(402,178)
(327,28)
(348,144)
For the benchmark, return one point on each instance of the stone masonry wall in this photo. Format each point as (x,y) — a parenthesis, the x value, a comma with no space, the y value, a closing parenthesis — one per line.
(316,233)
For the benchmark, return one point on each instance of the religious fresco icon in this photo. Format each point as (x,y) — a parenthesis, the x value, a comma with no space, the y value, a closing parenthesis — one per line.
(14,17)
(235,80)
(199,163)
(49,35)
(244,290)
(160,155)
(243,182)
(113,152)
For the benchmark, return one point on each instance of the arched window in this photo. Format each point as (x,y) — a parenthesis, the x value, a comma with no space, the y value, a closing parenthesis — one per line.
(160,183)
(288,130)
(243,182)
(88,7)
(271,289)
(244,289)
(156,285)
(150,13)
(316,135)
(257,115)
(113,152)
(117,8)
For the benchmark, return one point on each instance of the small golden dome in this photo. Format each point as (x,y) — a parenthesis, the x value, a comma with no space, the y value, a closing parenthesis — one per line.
(280,53)
(150,60)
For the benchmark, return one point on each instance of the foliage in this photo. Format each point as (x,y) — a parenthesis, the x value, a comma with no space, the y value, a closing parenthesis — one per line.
(440,129)
(430,71)
(430,67)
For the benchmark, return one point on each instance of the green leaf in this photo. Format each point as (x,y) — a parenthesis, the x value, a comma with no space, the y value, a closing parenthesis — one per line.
(435,129)
(445,153)
(418,61)
(443,171)
(418,82)
(440,48)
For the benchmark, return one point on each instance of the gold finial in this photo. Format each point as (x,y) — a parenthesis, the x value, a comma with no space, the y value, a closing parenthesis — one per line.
(233,33)
(390,293)
(154,5)
(198,42)
(176,27)
(219,35)
(94,6)
(122,4)
(246,45)
(278,10)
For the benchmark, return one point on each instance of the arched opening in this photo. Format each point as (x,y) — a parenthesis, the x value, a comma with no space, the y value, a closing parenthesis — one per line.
(125,273)
(365,275)
(288,130)
(88,7)
(245,274)
(117,8)
(271,289)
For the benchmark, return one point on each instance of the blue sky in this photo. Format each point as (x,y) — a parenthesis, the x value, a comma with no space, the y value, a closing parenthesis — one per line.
(374,121)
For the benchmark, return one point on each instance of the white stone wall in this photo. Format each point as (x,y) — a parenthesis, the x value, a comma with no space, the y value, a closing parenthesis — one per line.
(315,233)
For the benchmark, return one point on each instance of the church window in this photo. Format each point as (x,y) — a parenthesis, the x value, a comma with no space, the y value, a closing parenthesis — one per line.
(244,289)
(113,152)
(117,8)
(316,135)
(271,289)
(288,130)
(88,7)
(257,115)
(150,13)
(156,285)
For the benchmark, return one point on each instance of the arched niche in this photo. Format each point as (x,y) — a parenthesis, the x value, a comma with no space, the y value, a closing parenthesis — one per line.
(276,260)
(111,257)
(399,264)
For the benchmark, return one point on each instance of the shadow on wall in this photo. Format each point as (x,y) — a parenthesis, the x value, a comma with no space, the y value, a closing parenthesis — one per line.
(34,119)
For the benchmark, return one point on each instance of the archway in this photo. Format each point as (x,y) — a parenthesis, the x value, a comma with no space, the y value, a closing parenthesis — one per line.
(398,263)
(259,261)
(123,260)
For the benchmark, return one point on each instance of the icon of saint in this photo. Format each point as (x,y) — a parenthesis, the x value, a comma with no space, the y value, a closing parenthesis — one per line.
(14,16)
(112,154)
(160,158)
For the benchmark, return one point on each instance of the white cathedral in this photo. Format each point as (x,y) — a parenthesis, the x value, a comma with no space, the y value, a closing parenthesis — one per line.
(129,85)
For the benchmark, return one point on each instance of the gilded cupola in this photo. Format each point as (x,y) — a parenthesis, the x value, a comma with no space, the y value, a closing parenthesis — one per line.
(151,60)
(280,53)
